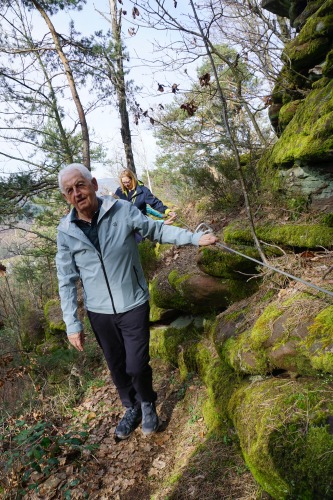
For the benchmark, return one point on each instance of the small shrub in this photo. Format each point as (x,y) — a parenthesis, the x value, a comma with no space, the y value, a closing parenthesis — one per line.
(328,220)
(37,446)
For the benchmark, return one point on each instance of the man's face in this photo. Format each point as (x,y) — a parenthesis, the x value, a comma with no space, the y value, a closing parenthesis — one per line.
(80,192)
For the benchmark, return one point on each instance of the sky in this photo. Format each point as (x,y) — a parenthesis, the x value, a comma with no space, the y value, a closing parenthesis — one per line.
(146,70)
(105,122)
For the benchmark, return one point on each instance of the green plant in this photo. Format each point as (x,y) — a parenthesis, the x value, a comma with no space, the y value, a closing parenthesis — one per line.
(194,415)
(328,220)
(297,206)
(38,447)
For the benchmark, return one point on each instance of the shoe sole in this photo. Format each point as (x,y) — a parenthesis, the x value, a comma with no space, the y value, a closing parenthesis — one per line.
(122,438)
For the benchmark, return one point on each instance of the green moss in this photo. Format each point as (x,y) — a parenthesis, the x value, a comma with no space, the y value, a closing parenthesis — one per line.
(149,259)
(311,45)
(186,359)
(268,295)
(166,342)
(322,327)
(287,235)
(175,279)
(262,328)
(328,66)
(220,381)
(319,342)
(323,362)
(328,220)
(240,355)
(287,113)
(308,137)
(223,264)
(55,325)
(284,436)
(286,87)
(254,351)
(166,298)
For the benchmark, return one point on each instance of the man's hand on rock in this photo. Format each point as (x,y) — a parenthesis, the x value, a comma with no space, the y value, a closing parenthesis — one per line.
(208,239)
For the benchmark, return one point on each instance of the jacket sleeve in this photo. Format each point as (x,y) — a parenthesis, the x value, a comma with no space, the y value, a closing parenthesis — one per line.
(118,192)
(67,277)
(154,202)
(153,212)
(155,231)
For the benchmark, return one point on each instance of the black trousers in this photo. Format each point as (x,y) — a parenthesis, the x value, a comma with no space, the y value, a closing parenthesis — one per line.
(124,339)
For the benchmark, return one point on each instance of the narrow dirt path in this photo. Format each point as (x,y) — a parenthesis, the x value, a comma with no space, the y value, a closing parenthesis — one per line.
(179,462)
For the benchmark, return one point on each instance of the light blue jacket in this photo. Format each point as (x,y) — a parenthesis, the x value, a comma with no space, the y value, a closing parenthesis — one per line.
(113,280)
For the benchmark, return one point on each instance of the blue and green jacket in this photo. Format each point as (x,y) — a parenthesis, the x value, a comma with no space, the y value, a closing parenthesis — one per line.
(141,196)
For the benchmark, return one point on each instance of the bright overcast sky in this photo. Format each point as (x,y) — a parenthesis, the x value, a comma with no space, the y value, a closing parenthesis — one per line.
(106,122)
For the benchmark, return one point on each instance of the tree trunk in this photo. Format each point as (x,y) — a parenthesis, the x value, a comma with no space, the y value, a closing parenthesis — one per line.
(71,84)
(119,82)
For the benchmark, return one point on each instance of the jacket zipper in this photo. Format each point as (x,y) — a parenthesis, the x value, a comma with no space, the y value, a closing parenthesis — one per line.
(137,278)
(107,283)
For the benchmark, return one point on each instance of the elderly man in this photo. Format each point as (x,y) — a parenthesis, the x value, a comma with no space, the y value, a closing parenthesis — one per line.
(96,244)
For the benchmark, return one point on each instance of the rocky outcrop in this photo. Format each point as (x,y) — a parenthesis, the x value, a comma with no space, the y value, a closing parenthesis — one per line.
(302,104)
(266,360)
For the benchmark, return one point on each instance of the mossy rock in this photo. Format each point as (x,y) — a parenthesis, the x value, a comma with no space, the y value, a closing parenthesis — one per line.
(328,66)
(149,257)
(223,264)
(184,344)
(287,87)
(167,341)
(287,113)
(55,325)
(285,436)
(287,235)
(309,136)
(309,10)
(163,296)
(220,381)
(206,294)
(277,340)
(197,293)
(311,45)
(229,324)
(319,341)
(159,315)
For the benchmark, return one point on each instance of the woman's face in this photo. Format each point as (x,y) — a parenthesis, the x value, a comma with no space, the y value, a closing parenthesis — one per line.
(127,182)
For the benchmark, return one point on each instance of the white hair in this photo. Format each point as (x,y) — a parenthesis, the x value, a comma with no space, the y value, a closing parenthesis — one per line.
(69,168)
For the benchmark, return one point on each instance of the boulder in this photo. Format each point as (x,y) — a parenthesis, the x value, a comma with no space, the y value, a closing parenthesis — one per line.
(285,435)
(197,292)
(293,335)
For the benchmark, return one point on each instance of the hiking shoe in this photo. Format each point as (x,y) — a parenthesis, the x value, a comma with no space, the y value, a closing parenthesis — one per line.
(150,421)
(128,423)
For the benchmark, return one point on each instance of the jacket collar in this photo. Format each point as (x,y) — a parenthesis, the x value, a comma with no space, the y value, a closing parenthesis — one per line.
(67,224)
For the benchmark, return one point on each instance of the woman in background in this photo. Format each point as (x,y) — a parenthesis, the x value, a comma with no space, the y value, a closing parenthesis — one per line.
(137,193)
